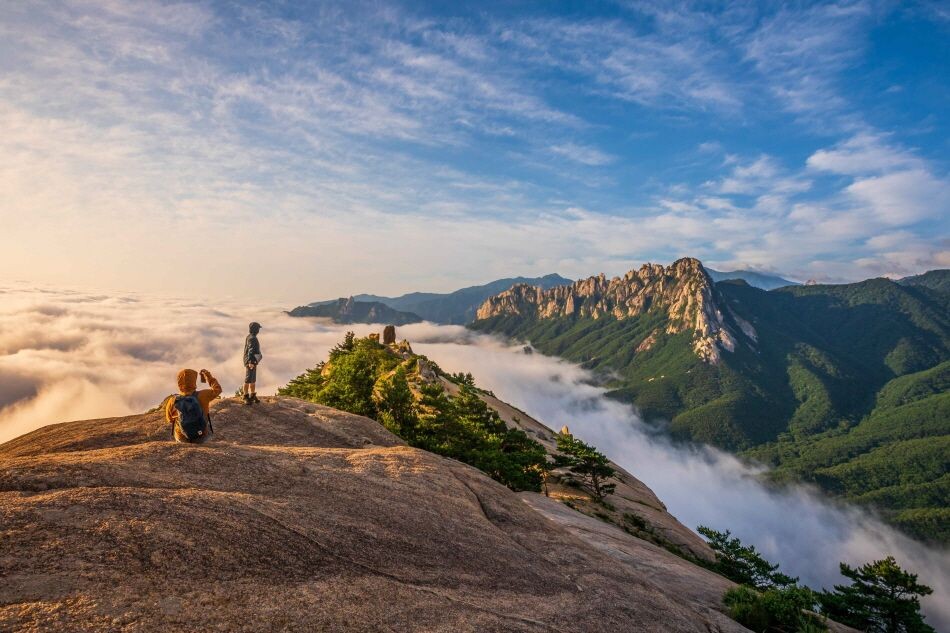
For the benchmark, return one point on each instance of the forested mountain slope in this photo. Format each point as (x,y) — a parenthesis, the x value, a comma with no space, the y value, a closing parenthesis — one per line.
(774,373)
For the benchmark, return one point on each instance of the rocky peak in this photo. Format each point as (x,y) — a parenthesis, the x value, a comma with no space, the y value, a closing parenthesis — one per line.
(684,290)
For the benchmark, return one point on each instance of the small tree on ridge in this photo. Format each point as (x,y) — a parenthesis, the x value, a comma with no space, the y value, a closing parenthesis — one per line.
(587,465)
(882,598)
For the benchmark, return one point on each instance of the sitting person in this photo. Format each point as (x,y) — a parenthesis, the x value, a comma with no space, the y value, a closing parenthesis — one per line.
(189,410)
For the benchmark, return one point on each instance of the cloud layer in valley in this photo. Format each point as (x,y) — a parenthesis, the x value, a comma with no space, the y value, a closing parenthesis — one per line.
(75,355)
(794,527)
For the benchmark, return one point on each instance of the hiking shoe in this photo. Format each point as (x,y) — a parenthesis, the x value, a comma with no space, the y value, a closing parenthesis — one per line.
(247,399)
(254,398)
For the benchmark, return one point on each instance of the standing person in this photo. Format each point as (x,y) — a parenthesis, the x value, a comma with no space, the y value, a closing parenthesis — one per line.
(252,356)
(189,410)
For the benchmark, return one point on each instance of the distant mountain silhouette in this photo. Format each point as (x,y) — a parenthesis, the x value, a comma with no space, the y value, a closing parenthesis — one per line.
(349,310)
(764,281)
(456,308)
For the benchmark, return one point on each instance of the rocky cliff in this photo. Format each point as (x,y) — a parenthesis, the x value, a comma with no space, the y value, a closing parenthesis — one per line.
(683,291)
(301,517)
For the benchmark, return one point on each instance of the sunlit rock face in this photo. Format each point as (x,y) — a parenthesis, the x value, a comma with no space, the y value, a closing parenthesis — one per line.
(683,290)
(298,517)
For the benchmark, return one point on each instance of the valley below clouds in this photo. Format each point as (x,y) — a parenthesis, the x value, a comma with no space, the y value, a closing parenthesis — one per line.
(68,355)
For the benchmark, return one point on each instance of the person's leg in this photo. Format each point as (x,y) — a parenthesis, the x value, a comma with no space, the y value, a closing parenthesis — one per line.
(250,378)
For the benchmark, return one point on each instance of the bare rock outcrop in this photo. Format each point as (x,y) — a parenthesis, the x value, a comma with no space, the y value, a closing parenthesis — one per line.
(683,290)
(389,335)
(300,517)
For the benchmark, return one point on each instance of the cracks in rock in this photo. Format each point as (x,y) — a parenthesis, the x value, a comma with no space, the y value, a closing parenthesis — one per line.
(402,581)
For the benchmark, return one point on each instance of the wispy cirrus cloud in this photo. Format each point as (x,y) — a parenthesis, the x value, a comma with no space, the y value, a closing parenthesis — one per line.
(800,52)
(248,128)
(583,154)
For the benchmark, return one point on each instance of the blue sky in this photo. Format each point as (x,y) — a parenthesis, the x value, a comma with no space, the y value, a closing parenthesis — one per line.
(303,150)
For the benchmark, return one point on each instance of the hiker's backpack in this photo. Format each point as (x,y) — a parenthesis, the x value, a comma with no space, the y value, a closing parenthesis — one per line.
(191,417)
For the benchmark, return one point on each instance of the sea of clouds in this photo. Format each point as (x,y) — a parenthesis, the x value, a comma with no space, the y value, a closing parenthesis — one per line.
(68,355)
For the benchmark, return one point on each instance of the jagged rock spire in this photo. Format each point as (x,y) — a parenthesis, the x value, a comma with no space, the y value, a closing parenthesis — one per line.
(684,290)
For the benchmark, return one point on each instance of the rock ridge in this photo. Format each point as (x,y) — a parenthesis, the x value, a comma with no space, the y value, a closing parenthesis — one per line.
(683,290)
(301,517)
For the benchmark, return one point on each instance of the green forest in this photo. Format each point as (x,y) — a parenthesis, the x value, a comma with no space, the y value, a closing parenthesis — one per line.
(843,385)
(367,378)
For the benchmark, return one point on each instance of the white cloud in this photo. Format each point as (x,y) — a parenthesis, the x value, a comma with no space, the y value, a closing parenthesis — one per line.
(668,67)
(904,197)
(583,154)
(138,139)
(759,176)
(678,206)
(709,147)
(863,153)
(890,183)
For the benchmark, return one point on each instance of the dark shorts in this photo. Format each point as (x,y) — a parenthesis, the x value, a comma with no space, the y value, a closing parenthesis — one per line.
(250,374)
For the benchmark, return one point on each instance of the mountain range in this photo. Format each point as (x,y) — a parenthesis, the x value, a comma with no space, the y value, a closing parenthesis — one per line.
(765,281)
(459,307)
(842,385)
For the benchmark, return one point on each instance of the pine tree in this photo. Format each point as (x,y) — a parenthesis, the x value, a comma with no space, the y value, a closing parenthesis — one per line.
(396,405)
(366,378)
(743,564)
(587,465)
(466,379)
(306,386)
(882,598)
(344,347)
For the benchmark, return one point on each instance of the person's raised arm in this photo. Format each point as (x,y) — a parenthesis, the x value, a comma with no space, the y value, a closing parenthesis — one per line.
(212,382)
